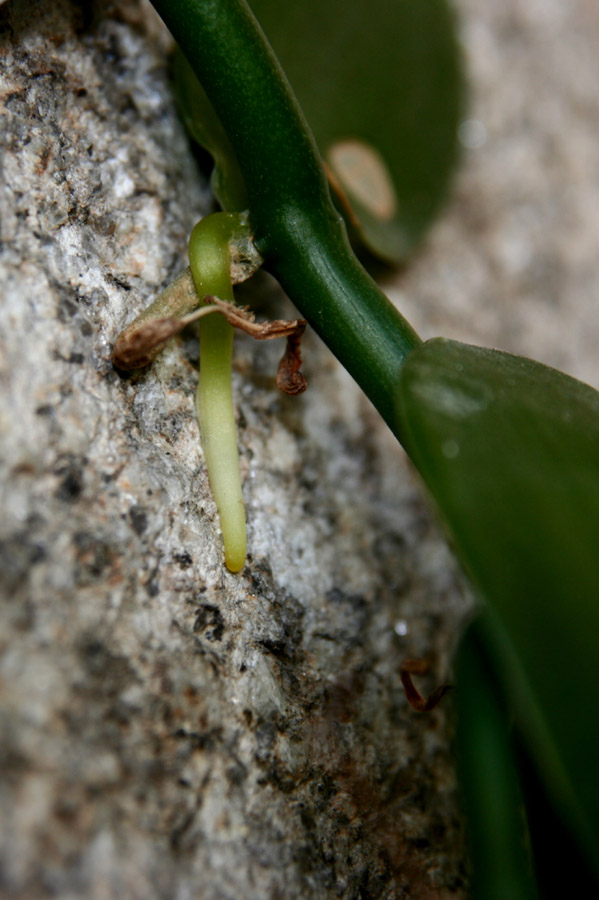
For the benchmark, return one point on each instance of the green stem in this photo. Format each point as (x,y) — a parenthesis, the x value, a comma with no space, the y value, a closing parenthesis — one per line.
(296,227)
(209,259)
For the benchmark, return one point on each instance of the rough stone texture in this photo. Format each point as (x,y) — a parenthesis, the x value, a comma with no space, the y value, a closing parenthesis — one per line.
(169,730)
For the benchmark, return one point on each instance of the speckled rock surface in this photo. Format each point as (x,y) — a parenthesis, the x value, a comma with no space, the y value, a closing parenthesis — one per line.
(169,730)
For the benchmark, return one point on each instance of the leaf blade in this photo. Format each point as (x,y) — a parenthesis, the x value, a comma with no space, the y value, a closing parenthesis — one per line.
(509,449)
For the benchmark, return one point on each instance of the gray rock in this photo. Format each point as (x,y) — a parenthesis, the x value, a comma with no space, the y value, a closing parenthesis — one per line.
(169,730)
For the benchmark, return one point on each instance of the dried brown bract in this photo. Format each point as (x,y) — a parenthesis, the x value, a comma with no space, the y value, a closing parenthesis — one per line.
(411,667)
(289,377)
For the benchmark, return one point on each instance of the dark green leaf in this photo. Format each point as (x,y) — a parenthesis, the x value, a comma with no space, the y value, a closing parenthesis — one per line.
(381,85)
(490,786)
(509,449)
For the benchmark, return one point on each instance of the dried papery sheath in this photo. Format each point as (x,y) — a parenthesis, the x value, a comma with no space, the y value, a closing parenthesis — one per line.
(244,258)
(138,347)
(145,337)
(142,342)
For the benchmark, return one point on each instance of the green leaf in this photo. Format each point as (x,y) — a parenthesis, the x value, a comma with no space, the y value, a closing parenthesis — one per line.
(381,86)
(509,450)
(490,787)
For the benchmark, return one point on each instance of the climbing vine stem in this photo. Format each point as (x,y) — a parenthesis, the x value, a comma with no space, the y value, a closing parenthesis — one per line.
(296,227)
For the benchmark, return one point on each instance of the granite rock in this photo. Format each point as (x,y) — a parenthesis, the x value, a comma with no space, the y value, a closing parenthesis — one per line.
(169,730)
